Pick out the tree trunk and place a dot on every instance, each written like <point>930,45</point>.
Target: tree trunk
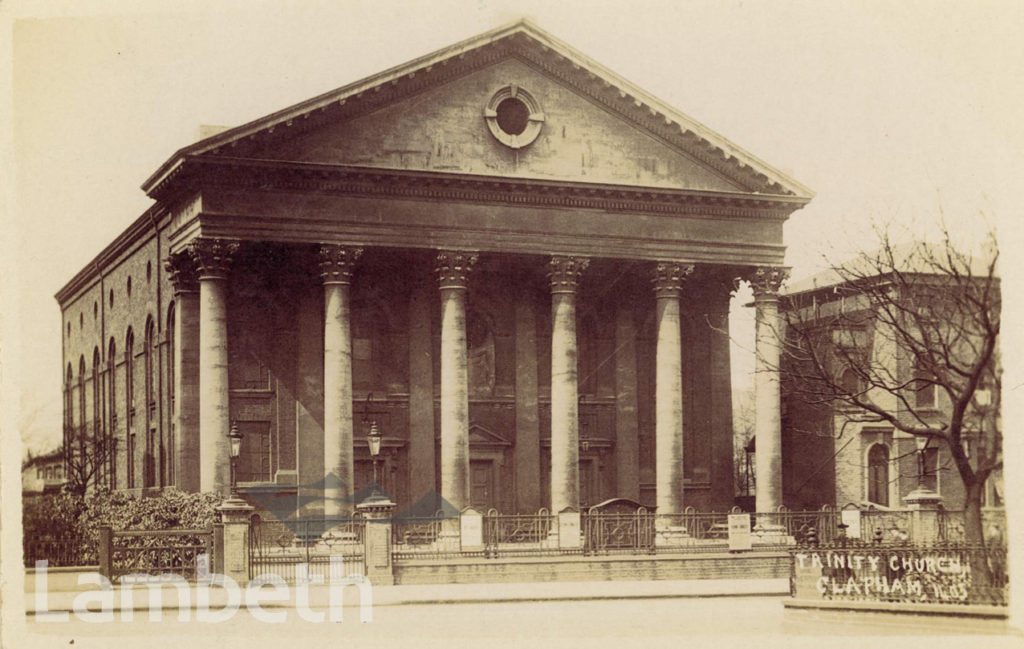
<point>981,570</point>
<point>973,528</point>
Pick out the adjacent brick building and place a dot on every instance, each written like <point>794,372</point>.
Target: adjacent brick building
<point>831,454</point>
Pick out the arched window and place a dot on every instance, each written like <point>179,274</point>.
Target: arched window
<point>82,426</point>
<point>112,411</point>
<point>878,474</point>
<point>849,381</point>
<point>169,479</point>
<point>69,406</point>
<point>129,400</point>
<point>82,432</point>
<point>149,459</point>
<point>99,436</point>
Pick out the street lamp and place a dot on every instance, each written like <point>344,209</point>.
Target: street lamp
<point>235,438</point>
<point>373,442</point>
<point>922,444</point>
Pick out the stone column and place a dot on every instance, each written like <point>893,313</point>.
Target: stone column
<point>668,388</point>
<point>182,270</point>
<point>527,449</point>
<point>565,468</point>
<point>336,264</point>
<point>627,427</point>
<point>453,269</point>
<point>767,398</point>
<point>721,285</point>
<point>422,479</point>
<point>213,259</point>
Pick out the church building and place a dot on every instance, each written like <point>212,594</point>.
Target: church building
<point>512,261</point>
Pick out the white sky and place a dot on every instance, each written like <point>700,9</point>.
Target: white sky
<point>887,110</point>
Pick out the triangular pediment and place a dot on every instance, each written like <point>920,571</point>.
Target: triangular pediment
<point>482,436</point>
<point>436,114</point>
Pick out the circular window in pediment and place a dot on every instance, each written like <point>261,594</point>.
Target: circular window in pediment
<point>514,117</point>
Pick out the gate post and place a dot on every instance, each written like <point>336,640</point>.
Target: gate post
<point>234,515</point>
<point>106,543</point>
<point>218,548</point>
<point>377,511</point>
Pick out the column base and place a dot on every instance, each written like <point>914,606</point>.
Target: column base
<point>766,532</point>
<point>672,535</point>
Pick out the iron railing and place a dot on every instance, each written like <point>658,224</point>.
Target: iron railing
<point>59,551</point>
<point>307,548</point>
<point>153,552</point>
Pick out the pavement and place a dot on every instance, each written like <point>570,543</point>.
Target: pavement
<point>169,598</point>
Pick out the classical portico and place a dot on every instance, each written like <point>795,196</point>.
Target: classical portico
<point>513,262</point>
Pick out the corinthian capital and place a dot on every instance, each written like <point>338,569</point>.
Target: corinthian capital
<point>453,268</point>
<point>669,277</point>
<point>565,272</point>
<point>337,263</point>
<point>213,256</point>
<point>767,280</point>
<point>182,269</point>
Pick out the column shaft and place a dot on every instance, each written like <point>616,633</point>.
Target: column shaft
<point>186,391</point>
<point>627,444</point>
<point>453,269</point>
<point>422,479</point>
<point>214,414</point>
<point>565,479</point>
<point>668,389</point>
<point>722,471</point>
<point>336,269</point>
<point>213,258</point>
<point>767,397</point>
<point>527,449</point>
<point>185,415</point>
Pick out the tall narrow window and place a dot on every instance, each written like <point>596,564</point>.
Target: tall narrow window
<point>69,409</point>
<point>930,469</point>
<point>878,475</point>
<point>170,396</point>
<point>129,399</point>
<point>98,434</point>
<point>112,412</point>
<point>924,387</point>
<point>149,456</point>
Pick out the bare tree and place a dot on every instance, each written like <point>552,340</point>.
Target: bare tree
<point>87,458</point>
<point>907,336</point>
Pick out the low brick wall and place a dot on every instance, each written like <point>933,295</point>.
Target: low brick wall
<point>60,579</point>
<point>607,568</point>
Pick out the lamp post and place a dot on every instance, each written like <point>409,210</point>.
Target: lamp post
<point>373,443</point>
<point>922,444</point>
<point>235,438</point>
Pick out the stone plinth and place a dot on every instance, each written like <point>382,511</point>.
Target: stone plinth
<point>924,505</point>
<point>234,515</point>
<point>377,511</point>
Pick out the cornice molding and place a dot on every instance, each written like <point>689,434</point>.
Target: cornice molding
<point>144,227</point>
<point>472,188</point>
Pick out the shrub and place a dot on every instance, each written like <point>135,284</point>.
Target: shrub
<point>74,521</point>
